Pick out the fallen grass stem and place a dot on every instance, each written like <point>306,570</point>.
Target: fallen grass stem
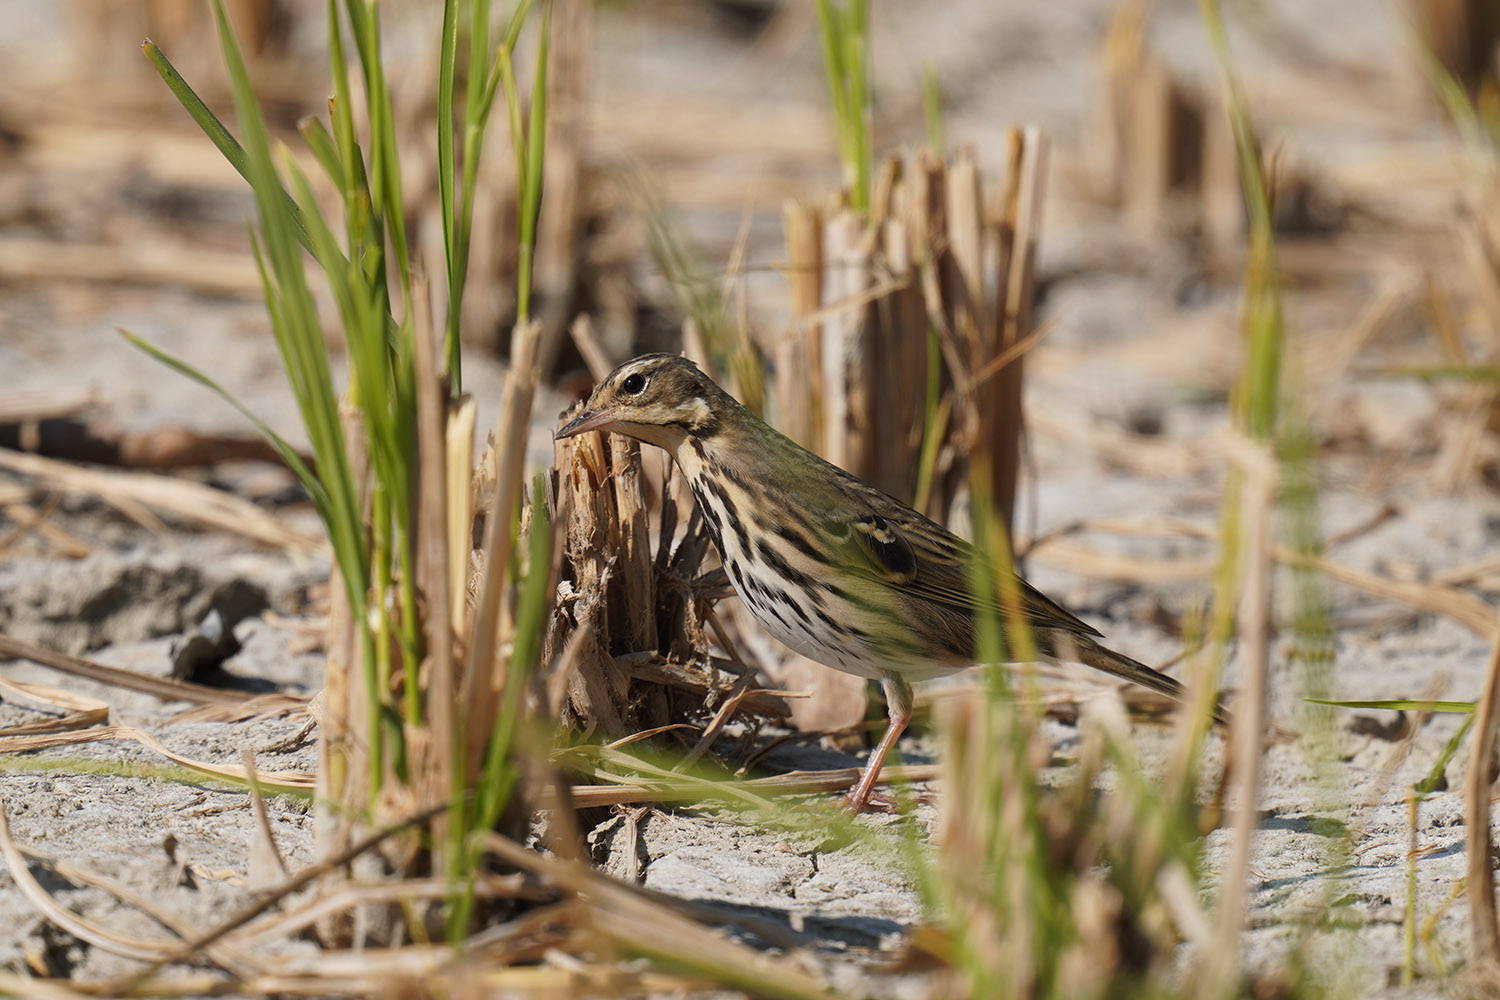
<point>752,791</point>
<point>165,688</point>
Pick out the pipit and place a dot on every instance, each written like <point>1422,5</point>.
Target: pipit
<point>832,567</point>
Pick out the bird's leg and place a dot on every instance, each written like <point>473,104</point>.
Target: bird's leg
<point>898,698</point>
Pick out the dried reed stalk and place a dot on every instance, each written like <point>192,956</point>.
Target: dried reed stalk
<point>1167,158</point>
<point>178,497</point>
<point>462,415</point>
<point>561,235</point>
<point>1484,930</point>
<point>484,676</point>
<point>165,688</point>
<point>1000,404</point>
<point>341,707</point>
<point>795,353</point>
<point>1248,730</point>
<point>1464,35</point>
<point>434,770</point>
<point>939,258</point>
<point>213,272</point>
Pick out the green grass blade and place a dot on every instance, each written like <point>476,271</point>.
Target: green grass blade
<point>350,184</point>
<point>932,109</point>
<point>517,21</point>
<point>1426,786</point>
<point>830,25</point>
<point>196,109</point>
<point>1462,373</point>
<point>531,188</point>
<point>447,67</point>
<point>299,334</point>
<point>857,40</point>
<point>321,143</point>
<point>513,109</point>
<point>282,447</point>
<point>385,173</point>
<point>1401,705</point>
<point>844,32</point>
<point>206,120</point>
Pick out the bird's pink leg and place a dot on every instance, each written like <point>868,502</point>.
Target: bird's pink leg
<point>898,699</point>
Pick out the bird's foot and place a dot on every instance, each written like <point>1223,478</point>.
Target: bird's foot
<point>871,801</point>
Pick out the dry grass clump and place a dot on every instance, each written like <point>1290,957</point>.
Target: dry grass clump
<point>1079,890</point>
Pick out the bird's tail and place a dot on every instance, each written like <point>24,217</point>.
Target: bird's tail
<point>1086,651</point>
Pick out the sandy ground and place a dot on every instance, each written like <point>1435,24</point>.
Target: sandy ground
<point>1126,399</point>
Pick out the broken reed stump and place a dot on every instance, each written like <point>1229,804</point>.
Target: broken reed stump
<point>1166,159</point>
<point>1167,155</point>
<point>643,610</point>
<point>1464,37</point>
<point>1468,450</point>
<point>904,361</point>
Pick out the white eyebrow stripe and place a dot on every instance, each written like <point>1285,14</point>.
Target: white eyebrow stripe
<point>633,369</point>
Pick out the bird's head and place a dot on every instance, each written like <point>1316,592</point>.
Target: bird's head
<point>661,399</point>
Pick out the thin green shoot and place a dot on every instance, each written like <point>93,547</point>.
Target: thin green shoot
<point>1268,407</point>
<point>745,801</point>
<point>282,447</point>
<point>142,770</point>
<point>1477,139</point>
<point>1401,705</point>
<point>529,144</point>
<point>457,270</point>
<point>387,208</point>
<point>1419,793</point>
<point>482,77</point>
<point>932,109</point>
<point>845,32</point>
<point>936,412</point>
<point>1458,373</point>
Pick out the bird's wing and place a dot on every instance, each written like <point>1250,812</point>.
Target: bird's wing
<point>904,549</point>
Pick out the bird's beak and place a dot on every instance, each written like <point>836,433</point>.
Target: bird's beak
<point>588,420</point>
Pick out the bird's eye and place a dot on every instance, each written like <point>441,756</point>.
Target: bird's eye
<point>634,385</point>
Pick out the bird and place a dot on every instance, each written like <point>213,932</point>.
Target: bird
<point>832,567</point>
